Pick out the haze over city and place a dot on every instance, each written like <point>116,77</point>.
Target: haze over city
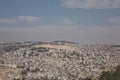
<point>83,21</point>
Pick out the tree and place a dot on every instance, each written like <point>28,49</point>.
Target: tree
<point>111,75</point>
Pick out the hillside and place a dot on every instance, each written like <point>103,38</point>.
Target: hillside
<point>59,60</point>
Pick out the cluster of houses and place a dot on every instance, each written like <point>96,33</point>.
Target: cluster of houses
<point>61,60</point>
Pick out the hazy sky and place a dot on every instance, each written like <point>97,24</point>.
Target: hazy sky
<point>83,21</point>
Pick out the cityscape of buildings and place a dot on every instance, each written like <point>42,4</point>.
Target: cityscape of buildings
<point>57,60</point>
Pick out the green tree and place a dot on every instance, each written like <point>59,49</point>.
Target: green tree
<point>111,75</point>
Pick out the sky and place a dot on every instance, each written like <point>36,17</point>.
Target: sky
<point>83,21</point>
